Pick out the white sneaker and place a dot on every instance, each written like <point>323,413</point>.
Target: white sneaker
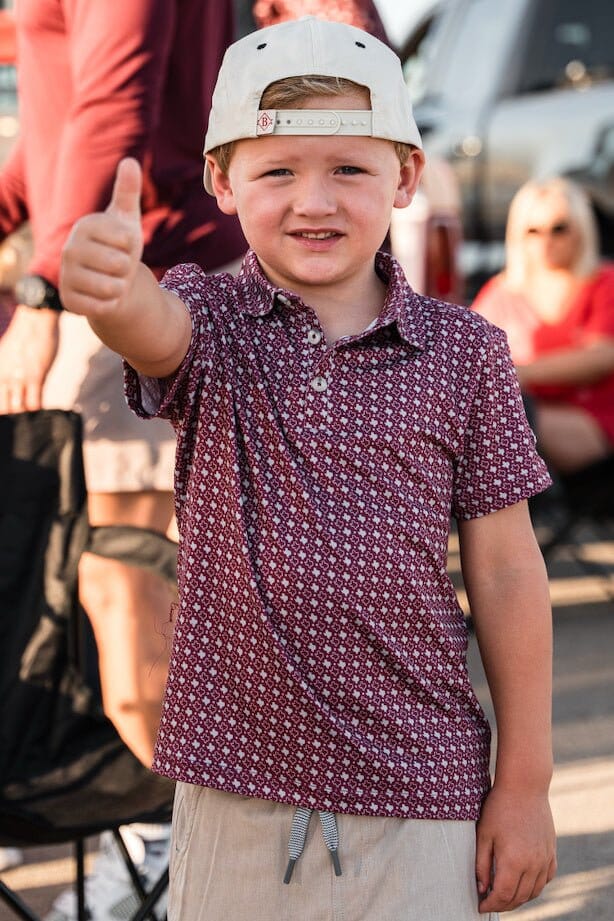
<point>109,893</point>
<point>10,857</point>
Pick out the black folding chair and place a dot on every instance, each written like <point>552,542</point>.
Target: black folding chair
<point>65,774</point>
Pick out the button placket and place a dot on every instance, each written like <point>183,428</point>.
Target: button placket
<point>319,382</point>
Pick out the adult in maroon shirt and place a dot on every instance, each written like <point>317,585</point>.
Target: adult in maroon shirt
<point>99,80</point>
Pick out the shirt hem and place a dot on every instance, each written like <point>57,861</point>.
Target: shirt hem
<point>456,812</point>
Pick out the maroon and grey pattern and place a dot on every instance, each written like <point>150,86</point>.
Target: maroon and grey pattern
<point>319,652</point>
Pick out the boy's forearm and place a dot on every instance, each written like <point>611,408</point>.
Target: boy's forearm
<point>507,586</point>
<point>151,329</point>
<point>511,611</point>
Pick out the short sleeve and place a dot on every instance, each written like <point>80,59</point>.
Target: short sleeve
<point>499,464</point>
<point>167,398</point>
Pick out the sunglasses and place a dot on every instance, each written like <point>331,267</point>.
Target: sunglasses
<point>556,230</point>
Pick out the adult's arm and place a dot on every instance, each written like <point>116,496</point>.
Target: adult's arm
<point>113,81</point>
<point>507,588</point>
<point>13,205</point>
<point>13,208</point>
<point>118,58</point>
<point>574,367</point>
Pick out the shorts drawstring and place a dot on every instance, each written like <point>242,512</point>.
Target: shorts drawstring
<point>298,835</point>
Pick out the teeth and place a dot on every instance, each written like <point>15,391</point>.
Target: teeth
<point>318,236</point>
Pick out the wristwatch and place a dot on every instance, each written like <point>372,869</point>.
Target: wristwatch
<point>35,291</point>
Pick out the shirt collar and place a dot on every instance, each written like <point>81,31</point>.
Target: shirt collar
<point>257,297</point>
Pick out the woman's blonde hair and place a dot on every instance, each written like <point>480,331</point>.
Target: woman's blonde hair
<point>291,92</point>
<point>519,220</point>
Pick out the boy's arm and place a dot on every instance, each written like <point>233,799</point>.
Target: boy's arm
<point>507,587</point>
<point>103,279</point>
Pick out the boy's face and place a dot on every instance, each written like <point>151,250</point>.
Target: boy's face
<point>316,209</point>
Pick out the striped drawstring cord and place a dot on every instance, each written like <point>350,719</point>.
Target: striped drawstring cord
<point>298,835</point>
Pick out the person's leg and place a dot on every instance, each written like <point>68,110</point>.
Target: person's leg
<point>569,438</point>
<point>129,609</point>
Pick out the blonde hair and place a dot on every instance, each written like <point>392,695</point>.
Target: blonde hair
<point>518,222</point>
<point>291,92</point>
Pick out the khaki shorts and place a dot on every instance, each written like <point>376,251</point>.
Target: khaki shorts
<point>121,452</point>
<point>229,854</point>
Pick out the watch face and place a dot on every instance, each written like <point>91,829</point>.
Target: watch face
<point>36,291</point>
<point>32,290</point>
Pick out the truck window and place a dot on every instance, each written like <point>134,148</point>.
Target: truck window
<point>463,49</point>
<point>568,43</point>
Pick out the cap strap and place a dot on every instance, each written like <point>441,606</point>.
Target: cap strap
<point>315,121</point>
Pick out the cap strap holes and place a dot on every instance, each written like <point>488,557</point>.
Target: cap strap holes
<point>360,44</point>
<point>260,47</point>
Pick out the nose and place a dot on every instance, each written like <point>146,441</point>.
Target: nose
<point>314,196</point>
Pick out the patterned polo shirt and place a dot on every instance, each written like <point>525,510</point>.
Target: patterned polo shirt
<point>319,656</point>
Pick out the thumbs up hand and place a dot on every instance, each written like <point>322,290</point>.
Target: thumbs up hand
<point>101,257</point>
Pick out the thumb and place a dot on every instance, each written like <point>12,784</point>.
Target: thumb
<point>126,197</point>
<point>484,864</point>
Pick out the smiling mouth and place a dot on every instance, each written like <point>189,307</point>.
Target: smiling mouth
<point>316,235</point>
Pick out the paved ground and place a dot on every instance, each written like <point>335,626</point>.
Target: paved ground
<point>583,787</point>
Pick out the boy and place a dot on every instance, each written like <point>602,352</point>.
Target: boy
<point>329,421</point>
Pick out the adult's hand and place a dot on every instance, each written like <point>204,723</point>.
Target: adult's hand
<point>27,351</point>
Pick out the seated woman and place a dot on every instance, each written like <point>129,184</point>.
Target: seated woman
<point>556,304</point>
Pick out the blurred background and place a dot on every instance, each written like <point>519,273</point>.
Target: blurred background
<point>507,91</point>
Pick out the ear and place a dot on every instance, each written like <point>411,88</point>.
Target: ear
<point>222,189</point>
<point>409,178</point>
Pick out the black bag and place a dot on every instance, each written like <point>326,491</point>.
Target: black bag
<point>64,771</point>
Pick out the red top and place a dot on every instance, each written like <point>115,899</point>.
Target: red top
<point>8,49</point>
<point>319,656</point>
<point>590,315</point>
<point>101,79</point>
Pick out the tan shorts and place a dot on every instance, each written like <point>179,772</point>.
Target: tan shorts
<point>229,854</point>
<point>122,453</point>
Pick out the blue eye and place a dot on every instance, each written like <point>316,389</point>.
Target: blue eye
<point>349,170</point>
<point>278,172</point>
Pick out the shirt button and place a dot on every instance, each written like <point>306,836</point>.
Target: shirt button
<point>319,384</point>
<point>314,336</point>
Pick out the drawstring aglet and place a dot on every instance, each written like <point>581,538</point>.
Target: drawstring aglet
<point>289,870</point>
<point>335,855</point>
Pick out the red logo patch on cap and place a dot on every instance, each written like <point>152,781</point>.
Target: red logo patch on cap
<point>266,121</point>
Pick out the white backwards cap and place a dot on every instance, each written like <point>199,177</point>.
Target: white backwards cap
<point>300,47</point>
